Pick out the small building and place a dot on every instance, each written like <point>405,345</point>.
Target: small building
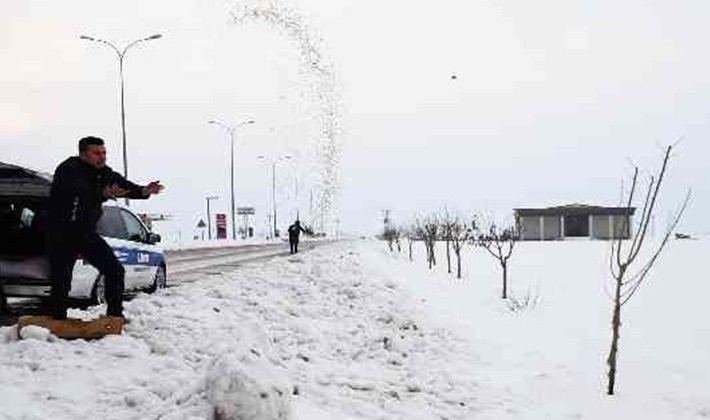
<point>574,221</point>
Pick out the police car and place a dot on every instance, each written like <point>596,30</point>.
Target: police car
<point>133,244</point>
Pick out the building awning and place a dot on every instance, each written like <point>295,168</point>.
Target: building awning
<point>575,210</point>
<point>19,182</point>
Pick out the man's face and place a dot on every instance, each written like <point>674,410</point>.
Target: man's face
<point>94,156</point>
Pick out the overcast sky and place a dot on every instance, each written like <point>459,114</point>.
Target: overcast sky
<point>550,103</point>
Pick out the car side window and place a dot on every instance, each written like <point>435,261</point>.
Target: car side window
<point>111,224</point>
<point>136,231</point>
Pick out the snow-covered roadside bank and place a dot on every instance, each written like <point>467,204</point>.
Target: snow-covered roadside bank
<point>351,331</point>
<point>323,325</point>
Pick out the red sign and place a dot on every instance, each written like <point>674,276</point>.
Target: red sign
<point>221,225</point>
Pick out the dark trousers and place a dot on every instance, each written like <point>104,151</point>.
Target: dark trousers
<point>294,245</point>
<point>63,250</point>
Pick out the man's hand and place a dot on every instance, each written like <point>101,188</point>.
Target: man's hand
<point>114,191</point>
<point>153,188</point>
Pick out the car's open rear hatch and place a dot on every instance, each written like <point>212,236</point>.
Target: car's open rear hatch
<point>23,197</point>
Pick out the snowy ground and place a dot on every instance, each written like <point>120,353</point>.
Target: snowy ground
<point>349,331</point>
<point>548,362</point>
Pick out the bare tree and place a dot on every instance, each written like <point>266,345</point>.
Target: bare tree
<point>410,233</point>
<point>420,233</point>
<point>397,238</point>
<point>447,221</point>
<point>499,242</point>
<point>428,231</point>
<point>461,234</point>
<point>431,225</point>
<point>624,256</point>
<point>390,235</point>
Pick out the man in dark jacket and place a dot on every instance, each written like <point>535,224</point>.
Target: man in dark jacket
<point>80,186</point>
<point>294,231</point>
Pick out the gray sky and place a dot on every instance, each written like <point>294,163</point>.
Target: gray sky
<point>550,104</point>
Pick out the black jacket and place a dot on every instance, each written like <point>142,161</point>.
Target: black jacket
<point>76,196</point>
<point>294,231</point>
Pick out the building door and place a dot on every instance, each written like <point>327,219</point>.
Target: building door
<point>577,226</point>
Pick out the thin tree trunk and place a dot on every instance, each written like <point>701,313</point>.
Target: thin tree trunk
<point>410,251</point>
<point>430,254</point>
<point>448,255</point>
<point>505,279</point>
<point>458,264</point>
<point>615,327</point>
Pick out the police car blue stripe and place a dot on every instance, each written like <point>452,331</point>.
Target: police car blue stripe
<point>129,256</point>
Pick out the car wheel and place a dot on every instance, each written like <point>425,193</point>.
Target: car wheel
<point>160,281</point>
<point>98,293</point>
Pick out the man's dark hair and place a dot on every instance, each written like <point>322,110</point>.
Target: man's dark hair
<point>89,141</point>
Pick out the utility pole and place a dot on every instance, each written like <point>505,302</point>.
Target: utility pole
<point>295,184</point>
<point>311,202</point>
<point>273,194</point>
<point>273,162</point>
<point>387,220</point>
<point>230,130</point>
<point>121,56</point>
<point>209,215</point>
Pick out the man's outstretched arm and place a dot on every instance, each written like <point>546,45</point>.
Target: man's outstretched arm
<point>131,190</point>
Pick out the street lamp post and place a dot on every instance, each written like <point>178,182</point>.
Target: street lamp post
<point>209,215</point>
<point>231,130</point>
<point>295,196</point>
<point>273,182</point>
<point>121,55</point>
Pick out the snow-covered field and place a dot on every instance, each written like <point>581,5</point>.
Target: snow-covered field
<point>350,331</point>
<point>548,362</point>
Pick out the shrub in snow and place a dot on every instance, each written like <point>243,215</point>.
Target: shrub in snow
<point>519,305</point>
<point>248,387</point>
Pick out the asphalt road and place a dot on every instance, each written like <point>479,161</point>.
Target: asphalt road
<point>208,260</point>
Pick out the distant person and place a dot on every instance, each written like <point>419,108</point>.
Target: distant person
<point>294,232</point>
<point>80,186</point>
